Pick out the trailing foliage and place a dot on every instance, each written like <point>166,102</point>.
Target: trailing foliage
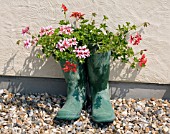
<point>75,42</point>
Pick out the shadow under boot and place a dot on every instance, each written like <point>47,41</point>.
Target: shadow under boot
<point>76,93</point>
<point>98,66</point>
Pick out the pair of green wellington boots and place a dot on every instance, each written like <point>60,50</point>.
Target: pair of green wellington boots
<point>98,67</point>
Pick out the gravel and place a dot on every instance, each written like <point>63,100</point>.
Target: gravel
<point>34,113</point>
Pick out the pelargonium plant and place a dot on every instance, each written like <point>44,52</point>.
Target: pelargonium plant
<point>74,42</point>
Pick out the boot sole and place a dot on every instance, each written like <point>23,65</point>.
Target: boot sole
<point>66,118</point>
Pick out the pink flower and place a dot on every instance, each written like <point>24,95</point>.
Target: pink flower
<point>34,41</point>
<point>142,60</point>
<point>73,42</point>
<point>66,43</point>
<point>60,45</point>
<point>135,40</point>
<point>42,31</point>
<point>49,30</point>
<point>66,29</point>
<point>46,31</point>
<point>27,43</point>
<point>82,52</point>
<point>25,30</point>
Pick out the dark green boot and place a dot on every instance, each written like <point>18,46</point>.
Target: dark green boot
<point>98,75</point>
<point>76,93</point>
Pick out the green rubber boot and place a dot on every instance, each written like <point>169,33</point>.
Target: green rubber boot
<point>76,93</point>
<point>98,75</point>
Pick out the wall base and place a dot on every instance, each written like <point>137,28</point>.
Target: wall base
<point>58,86</point>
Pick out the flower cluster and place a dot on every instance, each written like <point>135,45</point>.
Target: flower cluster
<point>27,43</point>
<point>69,67</point>
<point>135,40</point>
<point>77,15</point>
<point>66,29</point>
<point>46,31</point>
<point>142,60</point>
<point>66,43</point>
<point>82,52</point>
<point>25,31</point>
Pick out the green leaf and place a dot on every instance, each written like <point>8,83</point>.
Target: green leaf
<point>93,22</point>
<point>132,65</point>
<point>103,26</point>
<point>94,14</point>
<point>143,65</point>
<point>84,21</point>
<point>133,27</point>
<point>145,24</point>
<point>18,42</point>
<point>136,59</point>
<point>127,23</point>
<point>63,22</point>
<point>105,17</point>
<point>38,55</point>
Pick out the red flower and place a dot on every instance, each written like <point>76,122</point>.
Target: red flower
<point>77,15</point>
<point>70,67</point>
<point>138,38</point>
<point>135,40</point>
<point>142,61</point>
<point>131,39</point>
<point>66,69</point>
<point>64,8</point>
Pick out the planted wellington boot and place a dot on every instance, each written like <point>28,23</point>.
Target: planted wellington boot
<point>76,93</point>
<point>98,75</point>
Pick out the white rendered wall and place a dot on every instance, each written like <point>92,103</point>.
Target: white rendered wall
<point>16,14</point>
